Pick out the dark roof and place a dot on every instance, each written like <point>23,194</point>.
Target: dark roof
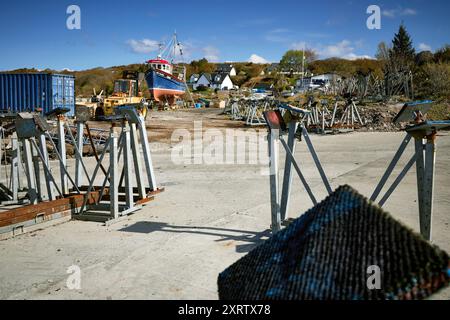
<point>326,254</point>
<point>218,77</point>
<point>273,67</point>
<point>207,76</point>
<point>224,67</point>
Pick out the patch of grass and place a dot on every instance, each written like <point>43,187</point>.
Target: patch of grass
<point>440,111</point>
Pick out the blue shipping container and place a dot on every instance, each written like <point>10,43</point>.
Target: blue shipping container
<point>23,92</point>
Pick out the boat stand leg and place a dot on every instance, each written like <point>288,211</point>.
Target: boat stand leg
<point>47,170</point>
<point>317,161</point>
<point>334,115</point>
<point>428,188</point>
<point>127,168</point>
<point>323,122</point>
<point>37,171</point>
<point>79,157</point>
<point>15,168</point>
<point>48,180</point>
<point>137,160</point>
<point>299,172</point>
<point>94,175</point>
<point>114,181</point>
<point>353,115</point>
<point>358,115</point>
<point>397,181</point>
<point>63,157</point>
<point>20,162</point>
<point>147,155</point>
<point>391,167</point>
<point>32,193</point>
<point>287,178</point>
<point>420,171</point>
<point>274,192</point>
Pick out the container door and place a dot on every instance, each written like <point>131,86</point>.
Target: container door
<point>69,95</point>
<point>58,92</point>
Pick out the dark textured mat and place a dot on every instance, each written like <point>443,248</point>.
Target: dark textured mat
<point>326,253</point>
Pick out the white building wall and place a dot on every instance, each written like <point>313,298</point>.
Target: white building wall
<point>303,83</point>
<point>193,79</point>
<point>227,83</point>
<point>202,81</point>
<point>328,77</point>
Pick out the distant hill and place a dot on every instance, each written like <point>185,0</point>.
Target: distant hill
<point>103,78</point>
<point>247,73</point>
<point>87,80</point>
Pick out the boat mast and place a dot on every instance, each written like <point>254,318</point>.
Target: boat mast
<point>161,46</point>
<point>175,43</point>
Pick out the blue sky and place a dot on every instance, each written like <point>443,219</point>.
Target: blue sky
<point>122,32</point>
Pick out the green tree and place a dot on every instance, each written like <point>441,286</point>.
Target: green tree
<point>293,59</point>
<point>366,67</point>
<point>343,67</point>
<point>383,52</point>
<point>201,66</point>
<point>424,57</point>
<point>239,80</point>
<point>434,81</point>
<point>402,52</point>
<point>255,70</point>
<point>443,55</point>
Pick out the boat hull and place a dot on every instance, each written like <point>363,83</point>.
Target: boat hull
<point>164,88</point>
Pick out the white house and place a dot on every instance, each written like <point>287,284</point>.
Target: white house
<point>194,78</point>
<point>272,68</point>
<point>203,80</point>
<point>226,68</point>
<point>327,77</point>
<point>220,81</point>
<point>314,82</point>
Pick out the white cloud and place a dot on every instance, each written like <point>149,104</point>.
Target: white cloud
<point>389,13</point>
<point>148,46</point>
<point>344,49</point>
<point>424,47</point>
<point>211,53</point>
<point>257,59</point>
<point>392,13</point>
<point>143,46</point>
<point>408,12</point>
<point>353,56</point>
<point>339,49</point>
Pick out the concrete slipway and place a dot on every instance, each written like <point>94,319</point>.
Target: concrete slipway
<point>209,216</point>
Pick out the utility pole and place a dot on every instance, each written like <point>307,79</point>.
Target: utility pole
<point>303,65</point>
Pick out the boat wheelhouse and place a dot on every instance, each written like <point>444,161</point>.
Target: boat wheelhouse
<point>161,64</point>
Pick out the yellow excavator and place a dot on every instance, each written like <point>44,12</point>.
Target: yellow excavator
<point>126,93</point>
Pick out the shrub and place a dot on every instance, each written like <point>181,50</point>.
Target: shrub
<point>202,88</point>
<point>434,81</point>
<point>440,111</point>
